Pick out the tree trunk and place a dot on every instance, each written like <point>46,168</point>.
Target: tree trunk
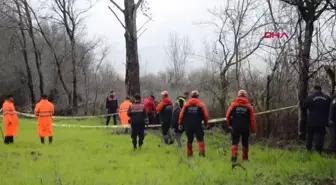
<point>267,128</point>
<point>36,52</point>
<point>74,77</point>
<point>224,92</point>
<point>304,78</point>
<point>87,91</point>
<point>132,81</point>
<point>57,60</point>
<point>25,57</point>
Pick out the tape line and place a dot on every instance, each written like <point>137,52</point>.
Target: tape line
<point>122,126</point>
<point>159,126</point>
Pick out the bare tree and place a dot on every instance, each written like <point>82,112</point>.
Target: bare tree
<point>227,52</point>
<point>179,51</point>
<point>37,53</point>
<point>57,58</point>
<point>104,53</point>
<point>24,50</point>
<point>67,15</point>
<point>132,78</point>
<point>309,11</point>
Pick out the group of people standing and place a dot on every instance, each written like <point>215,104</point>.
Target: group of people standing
<point>44,110</point>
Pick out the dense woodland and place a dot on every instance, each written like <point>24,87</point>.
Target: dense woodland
<point>44,49</point>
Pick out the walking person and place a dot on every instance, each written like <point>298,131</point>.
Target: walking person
<point>44,110</point>
<point>112,108</point>
<point>191,117</point>
<point>10,119</point>
<point>175,126</point>
<point>138,119</point>
<point>318,106</point>
<point>181,100</point>
<point>165,111</point>
<point>240,116</point>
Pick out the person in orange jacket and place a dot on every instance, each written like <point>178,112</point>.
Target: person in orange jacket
<point>165,111</point>
<point>44,110</point>
<point>11,120</point>
<point>240,116</point>
<point>191,117</point>
<point>123,108</point>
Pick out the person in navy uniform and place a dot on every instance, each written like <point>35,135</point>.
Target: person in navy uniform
<point>318,106</point>
<point>112,108</point>
<point>138,120</point>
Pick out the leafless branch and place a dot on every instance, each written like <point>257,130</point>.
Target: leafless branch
<point>116,5</point>
<point>122,24</point>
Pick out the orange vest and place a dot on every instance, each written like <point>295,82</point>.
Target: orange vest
<point>123,112</point>
<point>11,120</point>
<point>44,110</point>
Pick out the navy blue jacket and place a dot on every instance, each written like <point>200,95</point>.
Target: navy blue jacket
<point>192,114</point>
<point>137,114</point>
<point>318,106</point>
<point>165,110</point>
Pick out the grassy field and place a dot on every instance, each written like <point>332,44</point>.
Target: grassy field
<point>97,157</point>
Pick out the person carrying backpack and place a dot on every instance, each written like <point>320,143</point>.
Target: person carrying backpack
<point>181,100</point>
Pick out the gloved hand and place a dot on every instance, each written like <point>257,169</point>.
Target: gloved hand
<point>146,121</point>
<point>205,127</point>
<point>180,127</point>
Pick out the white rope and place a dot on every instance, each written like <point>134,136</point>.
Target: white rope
<point>158,126</point>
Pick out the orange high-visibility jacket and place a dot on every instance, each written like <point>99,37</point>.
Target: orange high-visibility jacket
<point>11,120</point>
<point>44,110</point>
<point>123,112</point>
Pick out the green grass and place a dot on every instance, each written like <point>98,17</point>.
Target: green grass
<point>96,157</point>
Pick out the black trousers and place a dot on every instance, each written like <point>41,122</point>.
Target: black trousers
<point>137,132</point>
<point>9,139</point>
<point>238,133</point>
<point>109,111</point>
<point>313,131</point>
<point>197,131</point>
<point>165,128</point>
<point>334,137</point>
<point>50,139</point>
<point>151,118</point>
<point>157,119</point>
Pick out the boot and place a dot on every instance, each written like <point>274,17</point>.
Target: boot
<point>245,153</point>
<point>134,145</point>
<point>50,140</point>
<point>7,140</point>
<point>11,139</point>
<point>140,144</point>
<point>179,140</point>
<point>201,148</point>
<point>189,150</point>
<point>42,140</point>
<point>166,139</point>
<point>234,150</point>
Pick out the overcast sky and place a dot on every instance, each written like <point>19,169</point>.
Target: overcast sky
<point>168,16</point>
